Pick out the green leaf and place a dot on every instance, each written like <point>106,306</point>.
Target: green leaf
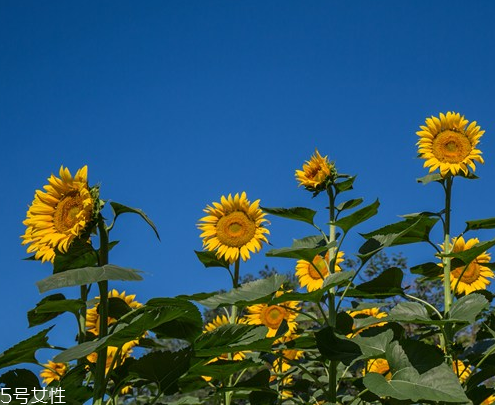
<point>296,213</point>
<point>386,284</point>
<point>467,308</point>
<point>410,312</point>
<point>24,352</point>
<point>488,223</point>
<point>347,205</point>
<point>374,346</point>
<point>303,249</point>
<point>467,256</point>
<point>119,209</point>
<point>52,306</point>
<point>20,378</point>
<point>210,259</point>
<point>345,185</point>
<point>80,254</point>
<point>87,275</point>
<point>222,369</point>
<point>263,397</point>
<point>163,369</point>
<point>233,338</point>
<point>248,293</point>
<point>429,178</point>
<point>357,217</point>
<point>333,347</point>
<point>429,269</point>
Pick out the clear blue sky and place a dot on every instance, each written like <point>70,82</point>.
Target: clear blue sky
<point>173,103</point>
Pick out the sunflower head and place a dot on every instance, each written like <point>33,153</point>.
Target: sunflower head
<point>475,276</point>
<point>379,366</point>
<point>449,144</point>
<point>312,275</point>
<point>58,215</point>
<point>233,228</point>
<point>489,401</point>
<point>115,357</point>
<point>316,173</point>
<point>53,371</point>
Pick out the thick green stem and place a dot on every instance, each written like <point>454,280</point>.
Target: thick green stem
<point>233,319</point>
<point>332,313</point>
<point>100,386</point>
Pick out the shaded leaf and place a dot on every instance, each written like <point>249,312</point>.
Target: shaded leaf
<point>374,346</point>
<point>52,306</point>
<point>333,347</point>
<point>386,284</point>
<point>210,259</point>
<point>87,275</point>
<point>222,369</point>
<point>429,269</point>
<point>296,213</point>
<point>119,209</point>
<point>24,352</point>
<point>80,254</point>
<point>303,249</point>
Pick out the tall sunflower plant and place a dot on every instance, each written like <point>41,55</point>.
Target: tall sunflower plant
<point>329,336</point>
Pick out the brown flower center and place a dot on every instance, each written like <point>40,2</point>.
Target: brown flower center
<point>321,265</point>
<point>235,229</point>
<point>471,274</point>
<point>66,212</point>
<point>273,316</point>
<point>451,147</point>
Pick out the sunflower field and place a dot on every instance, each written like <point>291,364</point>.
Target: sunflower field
<point>328,337</point>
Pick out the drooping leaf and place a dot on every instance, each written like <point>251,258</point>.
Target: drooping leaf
<point>386,284</point>
<point>52,306</point>
<point>87,275</point>
<point>120,209</point>
<point>347,205</point>
<point>357,217</point>
<point>333,347</point>
<point>162,368</point>
<point>429,269</point>
<point>247,293</point>
<point>488,223</point>
<point>303,249</point>
<point>210,259</point>
<point>296,213</point>
<point>24,352</point>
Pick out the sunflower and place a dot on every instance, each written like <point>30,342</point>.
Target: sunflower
<point>316,172</point>
<point>53,371</point>
<point>489,401</point>
<point>272,316</point>
<point>59,214</point>
<point>113,357</point>
<point>233,227</point>
<point>379,366</point>
<point>312,275</point>
<point>366,313</point>
<point>475,276</point>
<point>461,370</point>
<point>449,144</point>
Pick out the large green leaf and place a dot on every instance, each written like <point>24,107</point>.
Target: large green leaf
<point>345,185</point>
<point>347,205</point>
<point>120,209</point>
<point>24,352</point>
<point>357,217</point>
<point>386,284</point>
<point>333,347</point>
<point>210,259</point>
<point>163,369</point>
<point>303,249</point>
<point>412,312</point>
<point>296,213</point>
<point>87,275</point>
<point>467,256</point>
<point>232,338</point>
<point>52,306</point>
<point>467,308</point>
<point>248,293</point>
<point>374,346</point>
<point>20,378</point>
<point>488,223</point>
<point>429,269</point>
<point>80,254</point>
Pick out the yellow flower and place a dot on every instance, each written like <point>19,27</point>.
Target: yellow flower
<point>112,357</point>
<point>475,277</point>
<point>233,228</point>
<point>448,144</point>
<point>362,313</point>
<point>53,371</point>
<point>316,172</point>
<point>379,366</point>
<point>59,214</point>
<point>312,275</point>
<point>282,363</point>
<point>272,316</point>
<point>489,401</point>
<point>461,370</point>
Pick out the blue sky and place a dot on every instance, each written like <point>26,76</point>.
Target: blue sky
<point>173,104</point>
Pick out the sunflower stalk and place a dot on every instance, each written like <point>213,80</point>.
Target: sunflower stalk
<point>100,382</point>
<point>332,314</point>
